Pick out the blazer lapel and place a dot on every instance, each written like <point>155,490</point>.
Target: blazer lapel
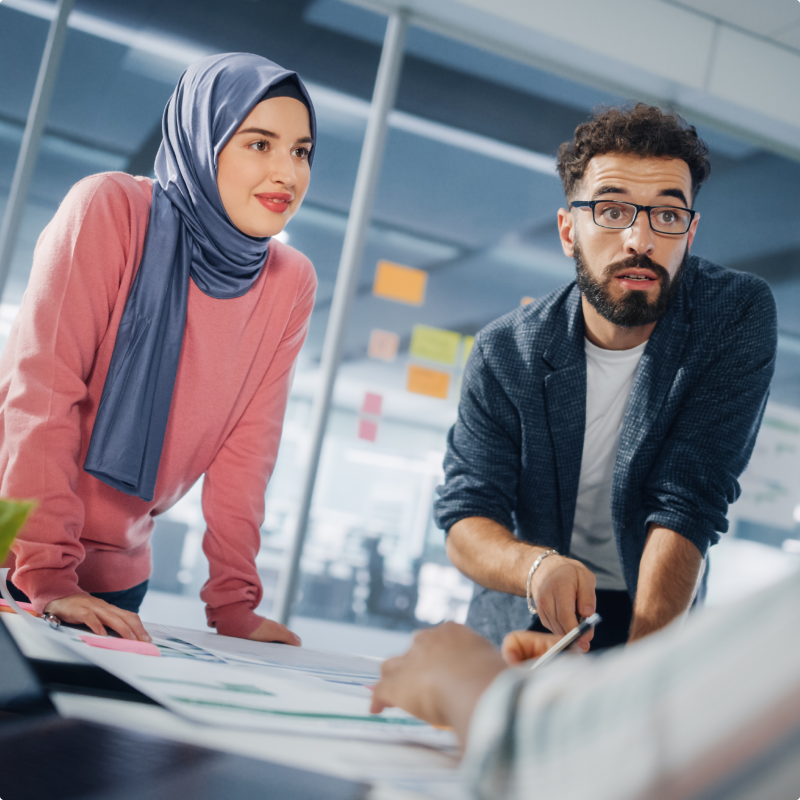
<point>565,404</point>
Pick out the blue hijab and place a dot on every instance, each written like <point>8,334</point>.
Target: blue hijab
<point>189,235</point>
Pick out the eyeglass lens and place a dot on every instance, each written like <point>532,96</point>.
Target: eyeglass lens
<point>665,219</point>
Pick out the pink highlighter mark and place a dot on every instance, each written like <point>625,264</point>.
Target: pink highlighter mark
<point>124,645</point>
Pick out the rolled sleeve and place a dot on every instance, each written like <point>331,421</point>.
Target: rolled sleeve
<point>695,477</point>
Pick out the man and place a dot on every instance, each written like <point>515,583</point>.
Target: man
<point>708,711</point>
<point>602,429</point>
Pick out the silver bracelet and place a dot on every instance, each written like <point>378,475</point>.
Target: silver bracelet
<point>533,569</point>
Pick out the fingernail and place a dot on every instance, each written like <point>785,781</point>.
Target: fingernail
<point>587,611</point>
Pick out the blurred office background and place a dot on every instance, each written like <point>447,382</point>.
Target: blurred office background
<point>468,194</point>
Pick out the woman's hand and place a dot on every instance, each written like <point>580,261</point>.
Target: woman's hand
<point>98,615</point>
<point>271,631</point>
<point>522,645</point>
<point>441,677</point>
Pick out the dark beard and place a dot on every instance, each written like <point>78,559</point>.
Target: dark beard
<point>633,308</point>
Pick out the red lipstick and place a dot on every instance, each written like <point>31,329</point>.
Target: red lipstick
<point>275,201</point>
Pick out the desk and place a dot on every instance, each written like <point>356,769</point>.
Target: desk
<point>398,772</point>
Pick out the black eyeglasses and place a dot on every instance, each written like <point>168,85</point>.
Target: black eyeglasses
<point>672,220</point>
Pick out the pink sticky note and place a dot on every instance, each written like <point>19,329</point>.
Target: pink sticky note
<point>383,345</point>
<point>372,404</point>
<point>367,430</point>
<point>124,645</point>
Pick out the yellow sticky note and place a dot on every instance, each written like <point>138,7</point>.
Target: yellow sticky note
<point>526,301</point>
<point>468,342</point>
<point>434,344</point>
<point>403,284</point>
<point>431,382</point>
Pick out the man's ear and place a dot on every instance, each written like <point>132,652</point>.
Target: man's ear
<point>566,231</point>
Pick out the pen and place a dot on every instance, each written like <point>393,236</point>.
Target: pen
<point>567,640</point>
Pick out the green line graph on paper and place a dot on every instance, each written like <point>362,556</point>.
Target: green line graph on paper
<point>240,688</point>
<point>377,719</point>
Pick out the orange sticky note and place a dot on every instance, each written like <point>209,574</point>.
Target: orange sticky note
<point>526,301</point>
<point>403,284</point>
<point>431,382</point>
<point>383,345</point>
<point>123,645</point>
<point>24,606</point>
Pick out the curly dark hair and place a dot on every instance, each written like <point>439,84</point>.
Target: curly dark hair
<point>640,130</point>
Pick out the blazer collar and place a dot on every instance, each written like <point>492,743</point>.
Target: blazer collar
<point>566,343</point>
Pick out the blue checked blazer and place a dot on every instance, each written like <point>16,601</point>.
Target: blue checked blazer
<point>514,453</point>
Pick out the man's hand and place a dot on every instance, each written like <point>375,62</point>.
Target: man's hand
<point>493,557</point>
<point>523,645</point>
<point>562,588</point>
<point>98,615</point>
<point>271,631</point>
<point>440,678</point>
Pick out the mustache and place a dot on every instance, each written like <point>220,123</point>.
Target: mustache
<point>638,261</point>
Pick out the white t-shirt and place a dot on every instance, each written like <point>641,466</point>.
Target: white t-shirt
<point>609,380</point>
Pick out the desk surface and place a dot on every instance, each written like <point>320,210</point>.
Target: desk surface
<point>398,772</point>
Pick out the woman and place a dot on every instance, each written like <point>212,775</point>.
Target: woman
<point>156,343</point>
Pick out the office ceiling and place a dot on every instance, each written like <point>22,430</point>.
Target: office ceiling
<point>776,20</point>
<point>432,211</point>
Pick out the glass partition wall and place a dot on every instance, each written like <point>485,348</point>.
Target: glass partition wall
<point>463,230</point>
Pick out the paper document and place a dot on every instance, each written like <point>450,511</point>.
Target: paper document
<point>221,681</point>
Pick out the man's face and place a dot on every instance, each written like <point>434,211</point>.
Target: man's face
<point>628,275</point>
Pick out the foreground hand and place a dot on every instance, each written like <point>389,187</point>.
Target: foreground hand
<point>271,631</point>
<point>522,645</point>
<point>98,615</point>
<point>440,678</point>
<point>562,588</point>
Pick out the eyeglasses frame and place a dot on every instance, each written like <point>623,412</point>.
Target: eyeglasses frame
<point>592,203</point>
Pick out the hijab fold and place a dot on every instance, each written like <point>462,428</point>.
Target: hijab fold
<point>189,236</point>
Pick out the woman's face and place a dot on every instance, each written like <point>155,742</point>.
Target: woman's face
<point>263,171</point>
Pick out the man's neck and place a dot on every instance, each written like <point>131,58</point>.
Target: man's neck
<point>605,334</point>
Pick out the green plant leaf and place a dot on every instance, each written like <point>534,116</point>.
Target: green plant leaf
<point>13,514</point>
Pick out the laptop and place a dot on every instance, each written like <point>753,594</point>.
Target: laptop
<point>43,755</point>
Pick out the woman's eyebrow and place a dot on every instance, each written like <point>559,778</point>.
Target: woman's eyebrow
<point>270,135</point>
<point>260,132</point>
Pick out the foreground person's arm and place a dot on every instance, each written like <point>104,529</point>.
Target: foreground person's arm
<point>664,717</point>
<point>442,677</point>
<point>669,573</point>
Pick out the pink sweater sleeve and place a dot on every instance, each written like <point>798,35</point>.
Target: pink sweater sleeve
<point>236,482</point>
<point>74,284</point>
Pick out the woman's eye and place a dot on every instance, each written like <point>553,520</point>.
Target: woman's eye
<point>302,152</point>
<point>260,145</point>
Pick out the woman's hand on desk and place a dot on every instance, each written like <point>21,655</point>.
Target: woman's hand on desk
<point>98,615</point>
<point>271,631</point>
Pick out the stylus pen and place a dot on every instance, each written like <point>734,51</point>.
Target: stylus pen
<point>567,640</point>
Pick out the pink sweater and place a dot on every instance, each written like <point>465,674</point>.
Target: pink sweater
<point>233,381</point>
